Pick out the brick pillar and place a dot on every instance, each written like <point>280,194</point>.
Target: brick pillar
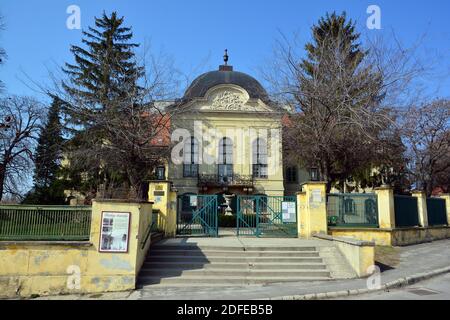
<point>421,206</point>
<point>312,209</point>
<point>386,213</point>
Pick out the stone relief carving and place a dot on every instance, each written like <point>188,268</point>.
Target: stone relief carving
<point>228,100</point>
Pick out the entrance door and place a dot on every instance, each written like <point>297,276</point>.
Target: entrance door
<point>197,215</point>
<point>267,216</point>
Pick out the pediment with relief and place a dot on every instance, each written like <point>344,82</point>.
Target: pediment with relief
<point>227,100</point>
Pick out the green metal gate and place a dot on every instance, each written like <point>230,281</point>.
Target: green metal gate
<point>267,216</point>
<point>197,215</point>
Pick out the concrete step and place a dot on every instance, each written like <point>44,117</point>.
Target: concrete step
<point>231,253</point>
<point>227,259</point>
<point>220,273</point>
<point>209,281</point>
<point>315,265</point>
<point>163,247</point>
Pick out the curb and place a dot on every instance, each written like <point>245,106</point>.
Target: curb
<point>401,282</point>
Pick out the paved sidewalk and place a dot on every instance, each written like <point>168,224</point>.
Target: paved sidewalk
<point>413,259</point>
<point>437,288</point>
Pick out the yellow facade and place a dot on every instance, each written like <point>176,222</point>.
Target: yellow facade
<point>227,109</point>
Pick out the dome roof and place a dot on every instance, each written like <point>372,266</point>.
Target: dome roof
<point>225,75</point>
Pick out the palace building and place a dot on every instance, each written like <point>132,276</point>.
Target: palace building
<point>226,138</point>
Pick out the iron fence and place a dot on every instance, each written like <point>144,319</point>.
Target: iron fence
<point>62,223</point>
<point>406,211</point>
<point>352,210</point>
<point>437,212</point>
<point>267,216</point>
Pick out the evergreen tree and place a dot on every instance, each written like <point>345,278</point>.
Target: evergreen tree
<point>102,85</point>
<point>336,36</point>
<point>48,188</point>
<point>105,70</point>
<point>48,152</point>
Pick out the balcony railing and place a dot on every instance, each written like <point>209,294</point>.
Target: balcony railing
<point>237,180</point>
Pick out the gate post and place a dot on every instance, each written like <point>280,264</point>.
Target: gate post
<point>422,207</point>
<point>312,209</point>
<point>446,196</point>
<point>165,200</point>
<point>386,209</point>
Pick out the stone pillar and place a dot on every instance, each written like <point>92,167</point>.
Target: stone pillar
<point>446,196</point>
<point>165,201</point>
<point>301,207</point>
<point>421,207</point>
<point>386,211</point>
<point>312,209</point>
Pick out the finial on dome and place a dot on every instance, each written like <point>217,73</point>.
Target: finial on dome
<point>225,66</point>
<point>225,57</point>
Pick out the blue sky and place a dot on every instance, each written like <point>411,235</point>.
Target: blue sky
<point>196,32</point>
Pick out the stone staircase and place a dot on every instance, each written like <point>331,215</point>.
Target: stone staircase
<point>215,265</point>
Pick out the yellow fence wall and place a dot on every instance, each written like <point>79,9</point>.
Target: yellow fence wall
<point>47,268</point>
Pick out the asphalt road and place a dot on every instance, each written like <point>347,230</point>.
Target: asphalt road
<point>434,289</point>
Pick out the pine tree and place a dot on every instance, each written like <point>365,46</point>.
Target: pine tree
<point>48,152</point>
<point>105,70</point>
<point>333,36</point>
<point>103,82</point>
<point>48,189</point>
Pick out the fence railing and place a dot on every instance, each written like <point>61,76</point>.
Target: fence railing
<point>62,223</point>
<point>437,212</point>
<point>352,210</point>
<point>406,211</point>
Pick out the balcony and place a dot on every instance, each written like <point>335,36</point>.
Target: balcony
<point>234,180</point>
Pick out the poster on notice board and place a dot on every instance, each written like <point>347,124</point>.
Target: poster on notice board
<point>115,229</point>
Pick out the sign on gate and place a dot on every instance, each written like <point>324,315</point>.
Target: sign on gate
<point>267,216</point>
<point>193,200</point>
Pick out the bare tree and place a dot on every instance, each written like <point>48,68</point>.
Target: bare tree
<point>341,120</point>
<point>20,119</point>
<point>426,131</point>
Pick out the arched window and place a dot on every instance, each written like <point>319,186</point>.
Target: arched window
<point>190,158</point>
<point>225,159</point>
<point>259,158</point>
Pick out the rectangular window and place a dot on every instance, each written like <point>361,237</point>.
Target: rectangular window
<point>190,170</point>
<point>260,171</point>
